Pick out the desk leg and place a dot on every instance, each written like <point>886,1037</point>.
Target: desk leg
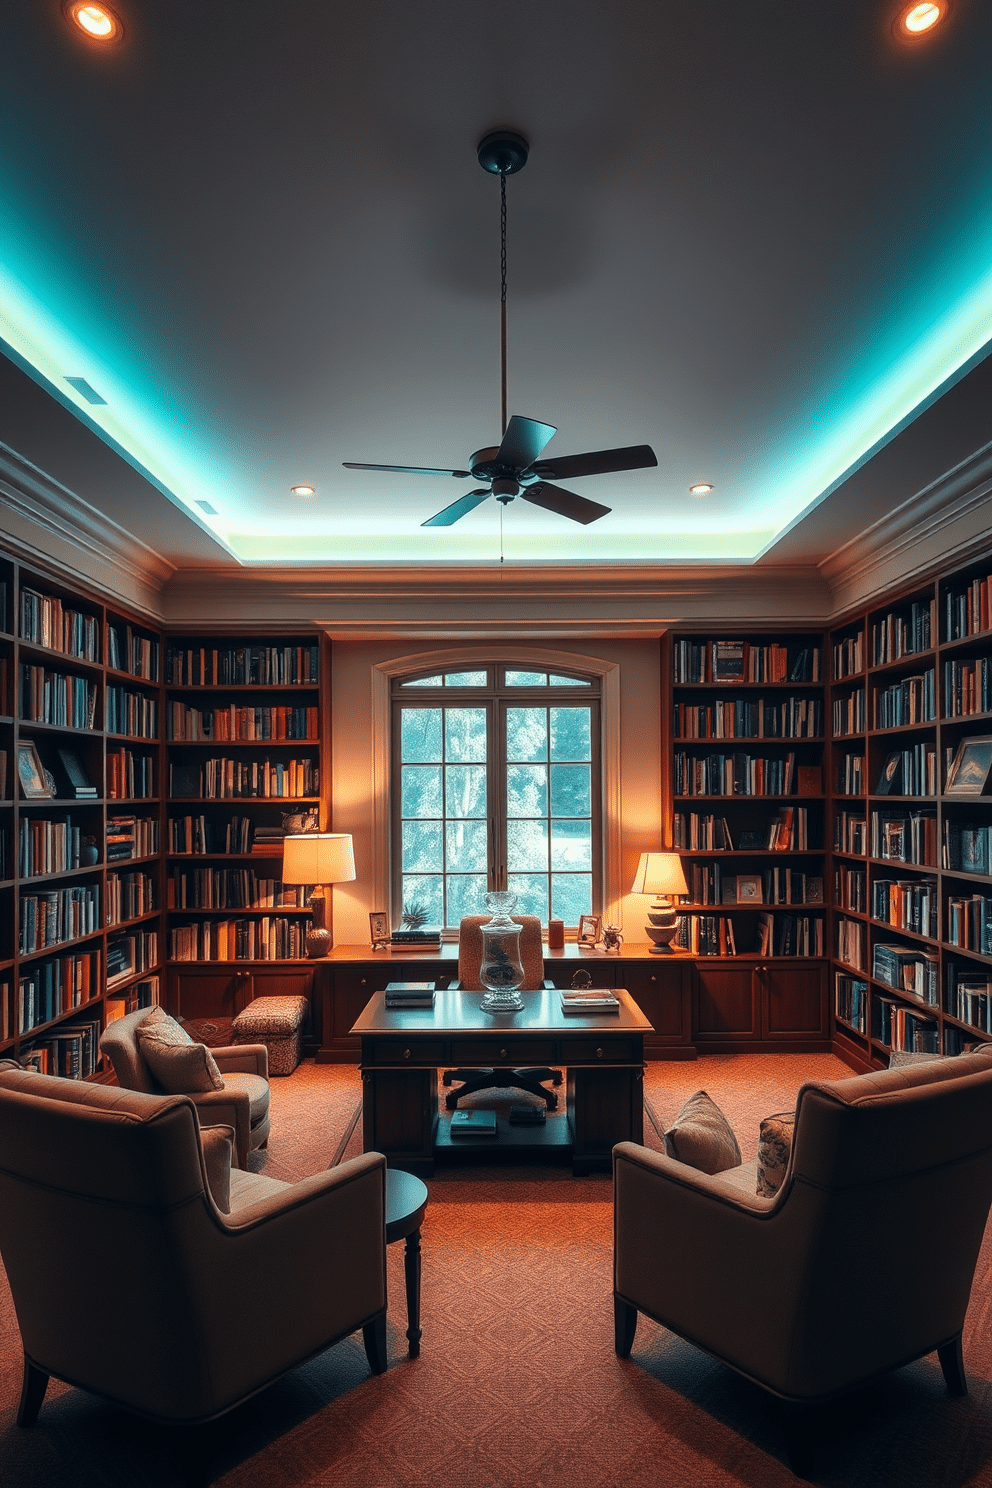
<point>411,1266</point>
<point>399,1114</point>
<point>605,1106</point>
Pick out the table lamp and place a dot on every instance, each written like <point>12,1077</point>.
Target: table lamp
<point>318,858</point>
<point>660,873</point>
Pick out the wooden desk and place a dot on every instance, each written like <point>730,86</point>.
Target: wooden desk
<point>402,1050</point>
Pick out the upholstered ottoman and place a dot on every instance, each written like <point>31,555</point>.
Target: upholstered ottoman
<point>276,1022</point>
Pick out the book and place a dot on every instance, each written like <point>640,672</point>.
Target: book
<point>473,1124</point>
<point>416,937</point>
<point>590,1000</point>
<point>409,994</point>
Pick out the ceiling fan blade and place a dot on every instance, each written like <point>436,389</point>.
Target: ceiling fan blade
<point>565,503</point>
<point>407,469</point>
<point>523,441</point>
<point>597,462</point>
<point>459,508</point>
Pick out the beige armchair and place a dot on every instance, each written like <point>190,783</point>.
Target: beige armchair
<point>890,1174</point>
<point>184,1310</point>
<point>243,1104</point>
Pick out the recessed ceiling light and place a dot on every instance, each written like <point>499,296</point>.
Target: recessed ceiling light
<point>303,490</point>
<point>701,488</point>
<point>920,18</point>
<point>98,22</point>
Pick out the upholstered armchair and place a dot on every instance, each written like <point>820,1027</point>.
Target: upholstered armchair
<point>202,1285</point>
<point>243,1104</point>
<point>890,1173</point>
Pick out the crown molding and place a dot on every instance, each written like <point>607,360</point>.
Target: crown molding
<point>47,523</point>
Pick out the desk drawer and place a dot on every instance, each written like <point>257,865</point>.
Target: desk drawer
<point>607,1048</point>
<point>489,1052</point>
<point>408,1051</point>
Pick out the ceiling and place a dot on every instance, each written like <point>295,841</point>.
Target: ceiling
<point>756,236</point>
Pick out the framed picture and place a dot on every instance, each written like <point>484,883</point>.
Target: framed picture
<point>378,928</point>
<point>31,772</point>
<point>589,929</point>
<point>749,889</point>
<point>970,768</point>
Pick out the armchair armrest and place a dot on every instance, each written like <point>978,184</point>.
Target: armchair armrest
<point>227,1108</point>
<point>243,1059</point>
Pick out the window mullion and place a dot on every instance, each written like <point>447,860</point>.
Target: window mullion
<point>497,795</point>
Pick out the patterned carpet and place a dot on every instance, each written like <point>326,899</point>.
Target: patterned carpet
<point>517,1383</point>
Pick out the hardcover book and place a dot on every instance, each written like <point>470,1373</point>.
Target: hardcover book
<point>473,1124</point>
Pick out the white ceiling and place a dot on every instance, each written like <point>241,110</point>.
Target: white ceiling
<point>756,236</point>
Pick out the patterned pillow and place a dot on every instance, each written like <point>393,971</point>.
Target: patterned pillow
<point>180,1066</point>
<point>774,1151</point>
<point>701,1136</point>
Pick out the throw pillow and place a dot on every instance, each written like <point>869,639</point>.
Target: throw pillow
<point>217,1143</point>
<point>180,1066</point>
<point>701,1136</point>
<point>774,1151</point>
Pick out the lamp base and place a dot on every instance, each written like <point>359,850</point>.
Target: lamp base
<point>318,936</point>
<point>662,927</point>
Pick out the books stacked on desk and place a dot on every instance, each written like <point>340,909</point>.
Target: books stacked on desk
<point>409,994</point>
<point>473,1124</point>
<point>589,1000</point>
<point>428,936</point>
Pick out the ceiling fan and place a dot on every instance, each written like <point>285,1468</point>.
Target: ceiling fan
<point>514,467</point>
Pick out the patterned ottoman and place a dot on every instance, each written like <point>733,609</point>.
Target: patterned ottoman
<point>276,1022</point>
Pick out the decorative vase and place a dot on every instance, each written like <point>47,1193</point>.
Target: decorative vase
<point>501,971</point>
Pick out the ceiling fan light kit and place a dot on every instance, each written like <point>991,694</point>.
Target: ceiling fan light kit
<point>514,467</point>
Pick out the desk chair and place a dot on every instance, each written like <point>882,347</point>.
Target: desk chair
<point>469,966</point>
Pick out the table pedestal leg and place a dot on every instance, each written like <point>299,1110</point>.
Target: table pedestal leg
<point>411,1265</point>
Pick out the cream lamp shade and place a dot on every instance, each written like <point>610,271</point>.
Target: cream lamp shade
<point>318,858</point>
<point>660,873</point>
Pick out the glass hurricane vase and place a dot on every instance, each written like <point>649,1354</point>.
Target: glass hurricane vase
<point>501,971</point>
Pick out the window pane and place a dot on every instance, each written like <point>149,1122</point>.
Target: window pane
<point>420,790</point>
<point>465,790</point>
<point>526,846</point>
<point>526,679</point>
<point>466,679</point>
<point>527,733</point>
<point>465,733</point>
<point>571,737</point>
<point>466,893</point>
<point>421,734</point>
<point>571,790</point>
<point>571,896</point>
<point>422,847</point>
<point>466,843</point>
<point>527,790</point>
<point>423,893</point>
<point>531,890</point>
<point>557,681</point>
<point>571,844</point>
<point>423,682</point>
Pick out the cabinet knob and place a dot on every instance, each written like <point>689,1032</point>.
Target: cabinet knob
<point>502,1053</point>
<point>599,1053</point>
<point>406,1053</point>
<point>363,982</point>
<point>653,979</point>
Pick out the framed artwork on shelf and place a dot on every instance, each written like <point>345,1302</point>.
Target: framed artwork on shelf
<point>31,772</point>
<point>749,889</point>
<point>890,780</point>
<point>970,768</point>
<point>589,929</point>
<point>378,928</point>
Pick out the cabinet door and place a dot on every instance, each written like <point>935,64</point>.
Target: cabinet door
<point>662,990</point>
<point>198,990</point>
<point>725,1003</point>
<point>794,1001</point>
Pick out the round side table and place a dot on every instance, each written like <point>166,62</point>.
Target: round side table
<point>406,1205</point>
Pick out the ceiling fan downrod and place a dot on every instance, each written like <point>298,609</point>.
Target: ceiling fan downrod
<point>503,153</point>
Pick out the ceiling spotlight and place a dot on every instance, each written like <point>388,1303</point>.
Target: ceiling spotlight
<point>303,490</point>
<point>919,19</point>
<point>701,488</point>
<point>98,22</point>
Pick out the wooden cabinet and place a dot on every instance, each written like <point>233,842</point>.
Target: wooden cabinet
<point>725,1004</point>
<point>781,1004</point>
<point>199,989</point>
<point>662,989</point>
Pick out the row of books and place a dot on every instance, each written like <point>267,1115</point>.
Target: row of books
<point>851,887</point>
<point>851,1001</point>
<point>901,1027</point>
<point>851,943</point>
<point>967,687</point>
<point>200,834</point>
<point>706,935</point>
<point>709,883</point>
<point>234,723</point>
<point>969,997</point>
<point>45,621</point>
<point>264,666</point>
<point>851,833</point>
<point>903,703</point>
<point>131,713</point>
<point>130,895</point>
<point>696,831</point>
<point>849,715</point>
<point>908,904</point>
<point>140,994</point>
<point>849,655</point>
<point>907,969</point>
<point>49,988</point>
<point>969,922</point>
<point>909,772</point>
<point>72,1051</point>
<point>227,779</point>
<point>47,845</point>
<point>130,776</point>
<point>743,661</point>
<point>130,651</point>
<point>131,837</point>
<point>851,776</point>
<point>967,846</point>
<point>908,838</point>
<point>737,774</point>
<point>271,938</point>
<point>903,634</point>
<point>790,935</point>
<point>128,954</point>
<point>738,718</point>
<point>233,888</point>
<point>58,915</point>
<point>968,610</point>
<point>68,701</point>
<point>785,829</point>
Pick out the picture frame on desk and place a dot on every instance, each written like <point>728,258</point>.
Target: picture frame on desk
<point>378,929</point>
<point>31,772</point>
<point>589,929</point>
<point>969,772</point>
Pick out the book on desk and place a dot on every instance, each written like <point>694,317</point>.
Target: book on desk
<point>589,1000</point>
<point>409,994</point>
